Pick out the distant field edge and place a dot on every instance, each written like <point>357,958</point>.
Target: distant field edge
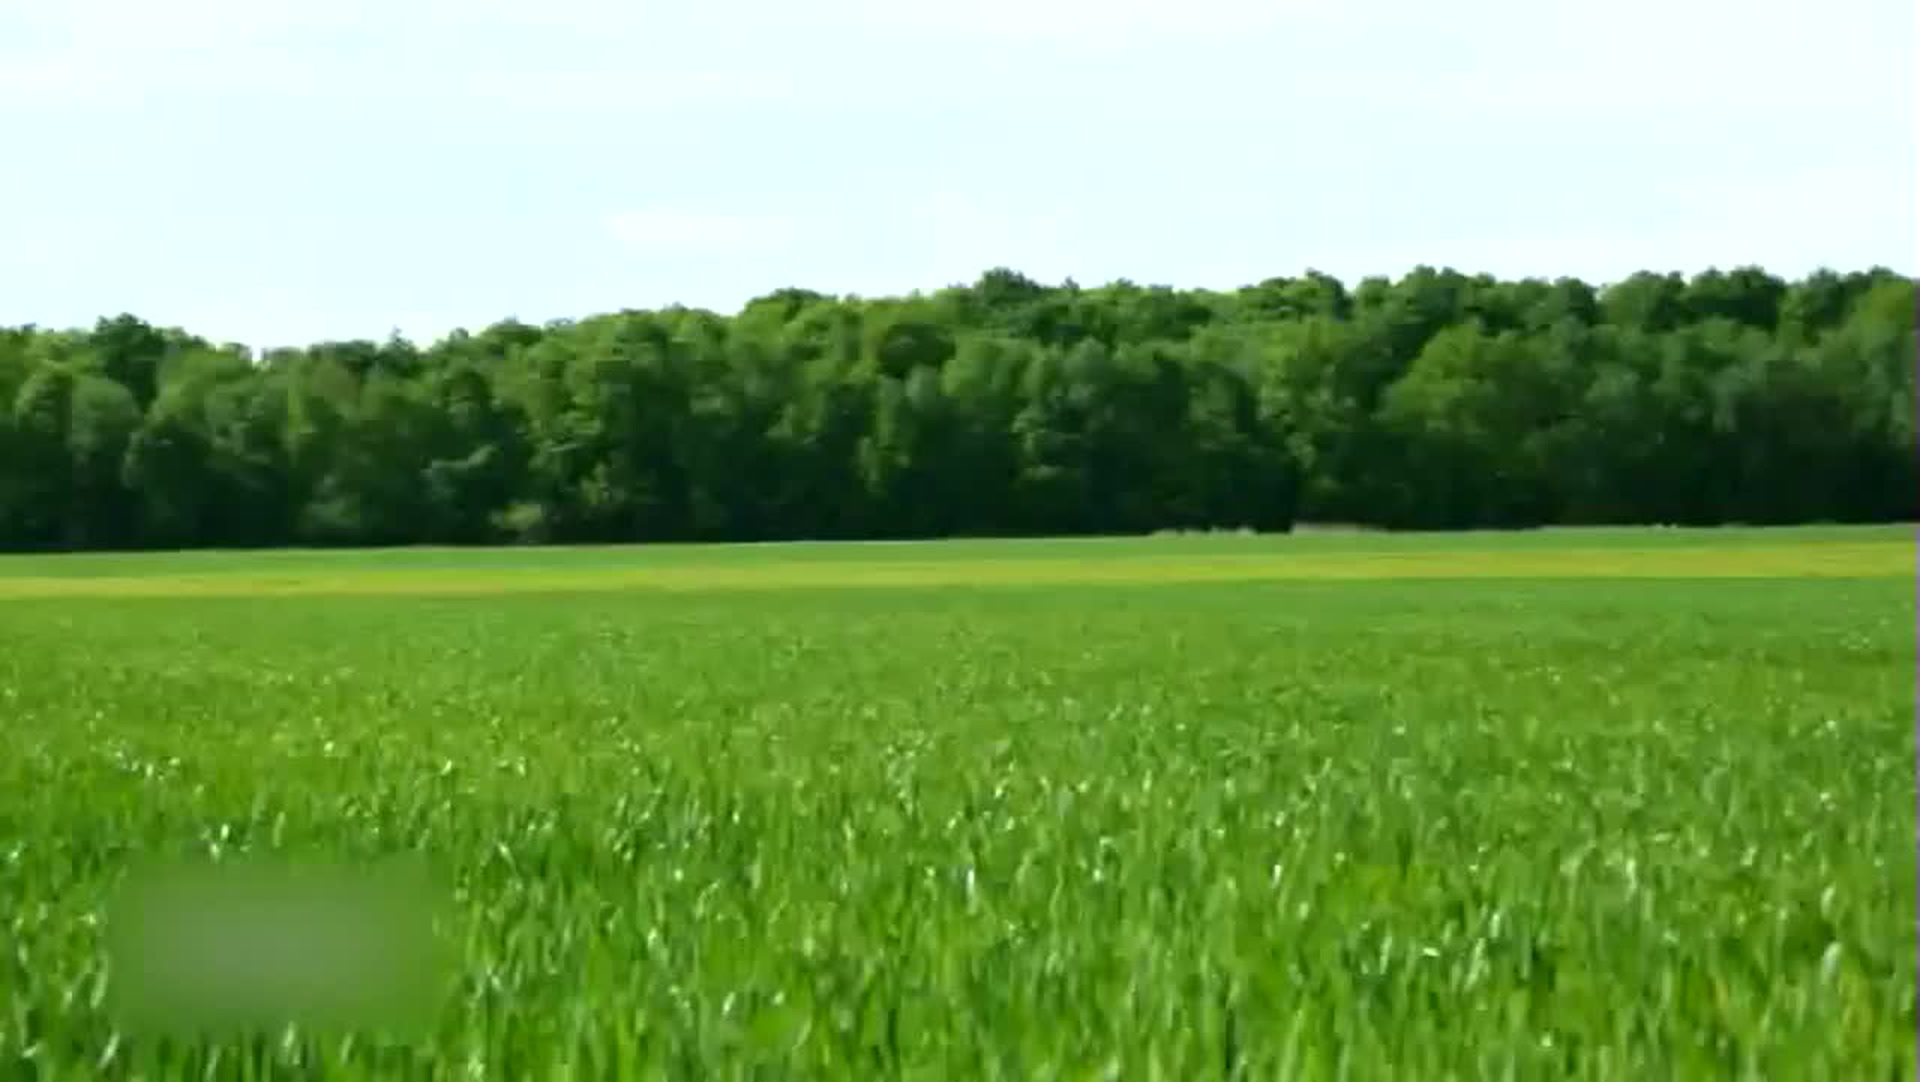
<point>1876,559</point>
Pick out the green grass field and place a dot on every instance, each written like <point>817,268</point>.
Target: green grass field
<point>1569,804</point>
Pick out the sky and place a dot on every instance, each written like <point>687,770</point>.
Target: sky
<point>276,172</point>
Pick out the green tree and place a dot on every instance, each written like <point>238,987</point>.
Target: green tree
<point>1646,301</point>
<point>1002,406</point>
<point>71,429</point>
<point>1473,418</point>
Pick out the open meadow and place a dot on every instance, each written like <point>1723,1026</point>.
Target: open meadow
<point>1620,804</point>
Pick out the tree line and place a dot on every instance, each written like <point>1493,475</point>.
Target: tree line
<point>1439,400</point>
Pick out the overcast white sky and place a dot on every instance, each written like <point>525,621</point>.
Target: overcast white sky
<point>277,171</point>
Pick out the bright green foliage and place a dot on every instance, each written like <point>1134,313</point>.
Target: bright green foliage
<point>1313,830</point>
<point>1005,407</point>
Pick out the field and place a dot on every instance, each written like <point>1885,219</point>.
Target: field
<point>1587,804</point>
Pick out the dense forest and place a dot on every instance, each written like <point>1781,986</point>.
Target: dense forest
<point>1440,400</point>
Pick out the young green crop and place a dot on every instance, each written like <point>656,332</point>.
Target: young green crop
<point>1623,828</point>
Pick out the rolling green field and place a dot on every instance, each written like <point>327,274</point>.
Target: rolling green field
<point>1592,804</point>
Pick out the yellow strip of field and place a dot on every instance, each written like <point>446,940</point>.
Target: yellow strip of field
<point>1847,560</point>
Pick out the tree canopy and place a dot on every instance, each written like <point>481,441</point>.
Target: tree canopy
<point>1440,400</point>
